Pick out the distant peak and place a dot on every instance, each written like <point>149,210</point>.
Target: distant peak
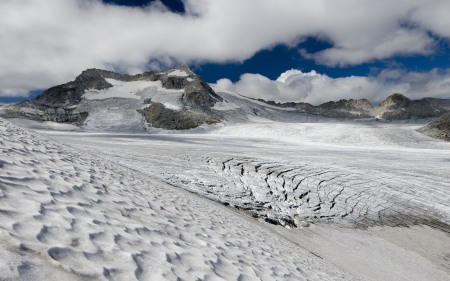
<point>394,99</point>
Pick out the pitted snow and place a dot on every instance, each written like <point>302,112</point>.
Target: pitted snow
<point>66,215</point>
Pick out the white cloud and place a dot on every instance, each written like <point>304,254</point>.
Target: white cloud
<point>311,87</point>
<point>399,42</point>
<point>45,42</point>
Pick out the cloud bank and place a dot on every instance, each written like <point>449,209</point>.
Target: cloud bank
<point>45,42</point>
<point>311,87</point>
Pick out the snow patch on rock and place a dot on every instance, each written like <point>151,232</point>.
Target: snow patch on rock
<point>178,73</point>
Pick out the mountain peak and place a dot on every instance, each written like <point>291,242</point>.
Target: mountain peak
<point>395,100</point>
<point>439,128</point>
<point>186,68</point>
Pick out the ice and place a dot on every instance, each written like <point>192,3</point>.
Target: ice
<point>381,185</point>
<point>70,215</point>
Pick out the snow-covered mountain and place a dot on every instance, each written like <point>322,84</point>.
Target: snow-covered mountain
<point>179,99</point>
<point>105,100</point>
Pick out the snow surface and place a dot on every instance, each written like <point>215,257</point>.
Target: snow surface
<point>178,73</point>
<point>69,215</point>
<point>341,176</point>
<point>46,125</point>
<point>337,189</point>
<point>252,101</point>
<point>113,115</point>
<point>120,89</point>
<point>224,105</point>
<point>139,90</point>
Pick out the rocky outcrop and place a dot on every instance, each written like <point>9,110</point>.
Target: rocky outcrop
<point>30,110</point>
<point>158,116</point>
<point>399,107</point>
<point>395,101</point>
<point>439,128</point>
<point>200,95</point>
<point>346,108</point>
<point>70,94</point>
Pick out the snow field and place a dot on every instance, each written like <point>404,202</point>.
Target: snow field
<point>67,215</point>
<point>369,197</point>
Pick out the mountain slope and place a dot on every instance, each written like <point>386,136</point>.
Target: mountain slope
<point>394,107</point>
<point>439,128</point>
<point>178,99</point>
<point>101,99</point>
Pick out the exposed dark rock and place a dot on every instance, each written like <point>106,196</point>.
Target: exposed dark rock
<point>351,104</point>
<point>345,109</point>
<point>199,94</point>
<point>395,101</point>
<point>71,93</point>
<point>29,110</point>
<point>399,107</point>
<point>161,117</point>
<point>174,82</point>
<point>177,82</point>
<point>439,128</point>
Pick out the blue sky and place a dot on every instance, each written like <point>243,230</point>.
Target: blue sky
<point>337,49</point>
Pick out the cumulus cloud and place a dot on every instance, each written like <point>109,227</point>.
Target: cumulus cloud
<point>312,87</point>
<point>45,42</point>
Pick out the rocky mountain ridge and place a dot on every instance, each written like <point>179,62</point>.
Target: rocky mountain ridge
<point>177,99</point>
<point>67,102</point>
<point>440,128</point>
<point>394,107</point>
